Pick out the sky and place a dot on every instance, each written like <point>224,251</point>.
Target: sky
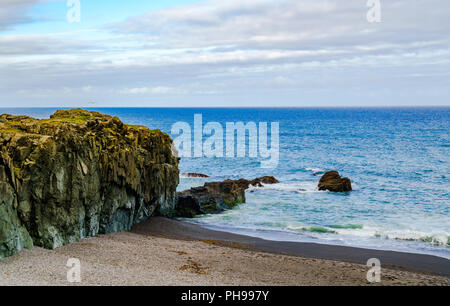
<point>224,53</point>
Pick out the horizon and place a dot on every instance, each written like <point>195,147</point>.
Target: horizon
<point>234,107</point>
<point>233,54</point>
<point>231,107</point>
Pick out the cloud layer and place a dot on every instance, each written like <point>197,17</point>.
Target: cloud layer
<point>14,12</point>
<point>234,53</point>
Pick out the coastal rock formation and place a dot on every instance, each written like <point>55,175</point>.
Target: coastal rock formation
<point>333,182</point>
<point>194,175</point>
<point>215,197</point>
<point>79,174</point>
<point>258,182</point>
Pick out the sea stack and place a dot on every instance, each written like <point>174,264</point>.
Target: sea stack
<point>333,182</point>
<point>78,174</point>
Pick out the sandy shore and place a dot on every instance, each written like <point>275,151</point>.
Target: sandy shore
<point>153,255</point>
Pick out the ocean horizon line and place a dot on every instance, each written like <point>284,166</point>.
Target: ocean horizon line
<point>232,107</point>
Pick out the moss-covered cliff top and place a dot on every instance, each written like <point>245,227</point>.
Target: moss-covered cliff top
<point>10,124</point>
<point>77,126</point>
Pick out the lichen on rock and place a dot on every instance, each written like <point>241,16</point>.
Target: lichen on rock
<point>78,174</point>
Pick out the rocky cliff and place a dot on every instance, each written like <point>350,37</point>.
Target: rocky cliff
<point>79,174</point>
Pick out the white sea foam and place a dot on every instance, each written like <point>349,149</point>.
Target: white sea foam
<point>303,187</point>
<point>438,239</point>
<point>315,170</point>
<point>350,232</point>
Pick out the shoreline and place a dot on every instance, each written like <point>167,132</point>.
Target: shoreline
<point>164,252</point>
<point>413,262</point>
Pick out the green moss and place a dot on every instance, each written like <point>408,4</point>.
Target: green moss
<point>135,127</point>
<point>11,130</point>
<point>77,116</point>
<point>11,127</point>
<point>76,120</point>
<point>17,171</point>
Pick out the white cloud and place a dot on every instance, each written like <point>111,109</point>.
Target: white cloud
<point>147,90</point>
<point>13,12</point>
<point>288,24</point>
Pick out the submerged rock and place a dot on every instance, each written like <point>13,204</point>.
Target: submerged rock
<point>215,197</point>
<point>194,175</point>
<point>332,181</point>
<point>78,174</point>
<point>258,182</point>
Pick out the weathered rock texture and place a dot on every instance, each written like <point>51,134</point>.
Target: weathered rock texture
<point>79,174</point>
<point>215,197</point>
<point>332,181</point>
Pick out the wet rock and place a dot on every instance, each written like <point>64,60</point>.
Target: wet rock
<point>333,182</point>
<point>258,182</point>
<point>215,197</point>
<point>79,174</point>
<point>194,175</point>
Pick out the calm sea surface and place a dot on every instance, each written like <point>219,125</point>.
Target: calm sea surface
<point>398,161</point>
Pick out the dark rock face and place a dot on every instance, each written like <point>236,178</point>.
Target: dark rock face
<point>79,174</point>
<point>215,197</point>
<point>332,181</point>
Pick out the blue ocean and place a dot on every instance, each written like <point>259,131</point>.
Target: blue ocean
<point>397,158</point>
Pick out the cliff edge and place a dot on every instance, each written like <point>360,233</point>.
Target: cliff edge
<point>79,174</point>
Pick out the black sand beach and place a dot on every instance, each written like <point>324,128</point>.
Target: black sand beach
<point>165,252</point>
<point>397,260</point>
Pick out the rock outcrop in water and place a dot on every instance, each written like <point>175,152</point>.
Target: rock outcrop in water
<point>333,182</point>
<point>79,174</point>
<point>194,175</point>
<point>215,197</point>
